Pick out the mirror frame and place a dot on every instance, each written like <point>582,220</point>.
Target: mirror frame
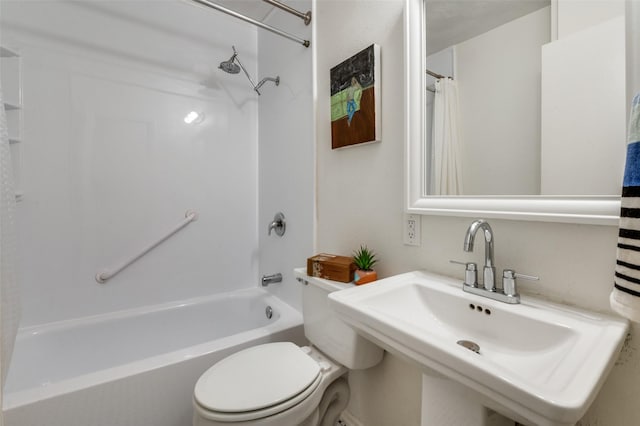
<point>597,210</point>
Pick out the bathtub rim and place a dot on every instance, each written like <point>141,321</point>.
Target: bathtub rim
<point>146,309</point>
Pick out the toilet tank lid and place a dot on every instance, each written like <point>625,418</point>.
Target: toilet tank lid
<point>256,378</point>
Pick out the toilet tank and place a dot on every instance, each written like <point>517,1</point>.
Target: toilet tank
<point>328,333</point>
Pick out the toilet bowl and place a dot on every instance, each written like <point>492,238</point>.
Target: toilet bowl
<point>282,384</point>
<point>272,384</point>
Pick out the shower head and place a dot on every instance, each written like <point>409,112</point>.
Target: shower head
<point>230,66</point>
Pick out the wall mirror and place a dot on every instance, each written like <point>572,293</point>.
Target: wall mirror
<point>534,137</point>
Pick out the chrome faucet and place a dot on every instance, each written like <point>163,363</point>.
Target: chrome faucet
<point>489,272</point>
<point>509,291</point>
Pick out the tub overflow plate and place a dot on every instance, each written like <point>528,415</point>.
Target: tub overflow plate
<point>469,345</point>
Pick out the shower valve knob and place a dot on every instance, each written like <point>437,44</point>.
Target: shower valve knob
<point>278,224</point>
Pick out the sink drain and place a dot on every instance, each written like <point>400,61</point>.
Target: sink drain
<point>469,345</point>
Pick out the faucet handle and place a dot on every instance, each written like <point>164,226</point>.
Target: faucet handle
<point>527,277</point>
<point>509,281</point>
<point>470,272</point>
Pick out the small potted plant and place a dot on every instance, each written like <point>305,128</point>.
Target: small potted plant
<point>364,260</point>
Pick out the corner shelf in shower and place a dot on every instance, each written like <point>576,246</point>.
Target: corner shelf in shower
<point>12,89</point>
<point>8,106</point>
<point>6,52</point>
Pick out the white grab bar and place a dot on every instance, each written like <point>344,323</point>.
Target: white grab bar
<point>102,277</point>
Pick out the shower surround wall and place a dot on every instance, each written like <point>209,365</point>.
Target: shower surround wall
<point>108,165</point>
<point>286,151</point>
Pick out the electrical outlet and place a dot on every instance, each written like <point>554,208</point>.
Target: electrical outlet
<point>411,230</point>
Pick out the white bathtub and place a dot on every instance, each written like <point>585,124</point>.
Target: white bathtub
<point>138,367</point>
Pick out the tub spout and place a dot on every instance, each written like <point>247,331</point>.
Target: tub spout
<point>270,279</point>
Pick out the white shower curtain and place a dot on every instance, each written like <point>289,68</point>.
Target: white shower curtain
<point>446,163</point>
<point>9,298</point>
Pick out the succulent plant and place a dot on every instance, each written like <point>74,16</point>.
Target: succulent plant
<point>364,258</point>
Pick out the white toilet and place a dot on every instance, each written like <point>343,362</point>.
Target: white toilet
<point>281,384</point>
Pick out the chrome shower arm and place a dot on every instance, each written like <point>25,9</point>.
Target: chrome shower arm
<point>264,80</point>
<point>247,74</point>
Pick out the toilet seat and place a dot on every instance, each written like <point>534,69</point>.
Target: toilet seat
<point>259,381</point>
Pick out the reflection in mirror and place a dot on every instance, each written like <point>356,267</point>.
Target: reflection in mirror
<point>524,113</point>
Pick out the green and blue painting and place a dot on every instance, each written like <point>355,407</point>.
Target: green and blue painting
<point>354,99</point>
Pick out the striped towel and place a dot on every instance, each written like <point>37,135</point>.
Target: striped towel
<point>625,297</point>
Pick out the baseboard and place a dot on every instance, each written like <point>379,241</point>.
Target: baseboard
<point>348,419</point>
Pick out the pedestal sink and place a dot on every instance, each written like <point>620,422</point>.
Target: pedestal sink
<point>536,361</point>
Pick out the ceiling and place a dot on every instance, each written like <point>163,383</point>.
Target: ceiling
<point>450,22</point>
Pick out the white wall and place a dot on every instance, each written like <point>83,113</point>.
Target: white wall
<point>360,201</point>
<point>286,155</point>
<point>359,189</point>
<point>108,164</point>
<point>498,75</point>
<point>574,16</point>
<point>632,23</point>
<point>587,130</point>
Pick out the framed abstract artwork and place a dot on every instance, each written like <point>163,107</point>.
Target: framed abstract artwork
<point>355,99</point>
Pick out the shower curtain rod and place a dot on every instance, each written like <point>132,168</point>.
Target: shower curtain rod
<point>230,12</point>
<point>306,17</point>
<point>436,75</point>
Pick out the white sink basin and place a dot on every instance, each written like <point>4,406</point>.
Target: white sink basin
<point>542,361</point>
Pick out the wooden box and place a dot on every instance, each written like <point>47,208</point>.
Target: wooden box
<point>331,267</point>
